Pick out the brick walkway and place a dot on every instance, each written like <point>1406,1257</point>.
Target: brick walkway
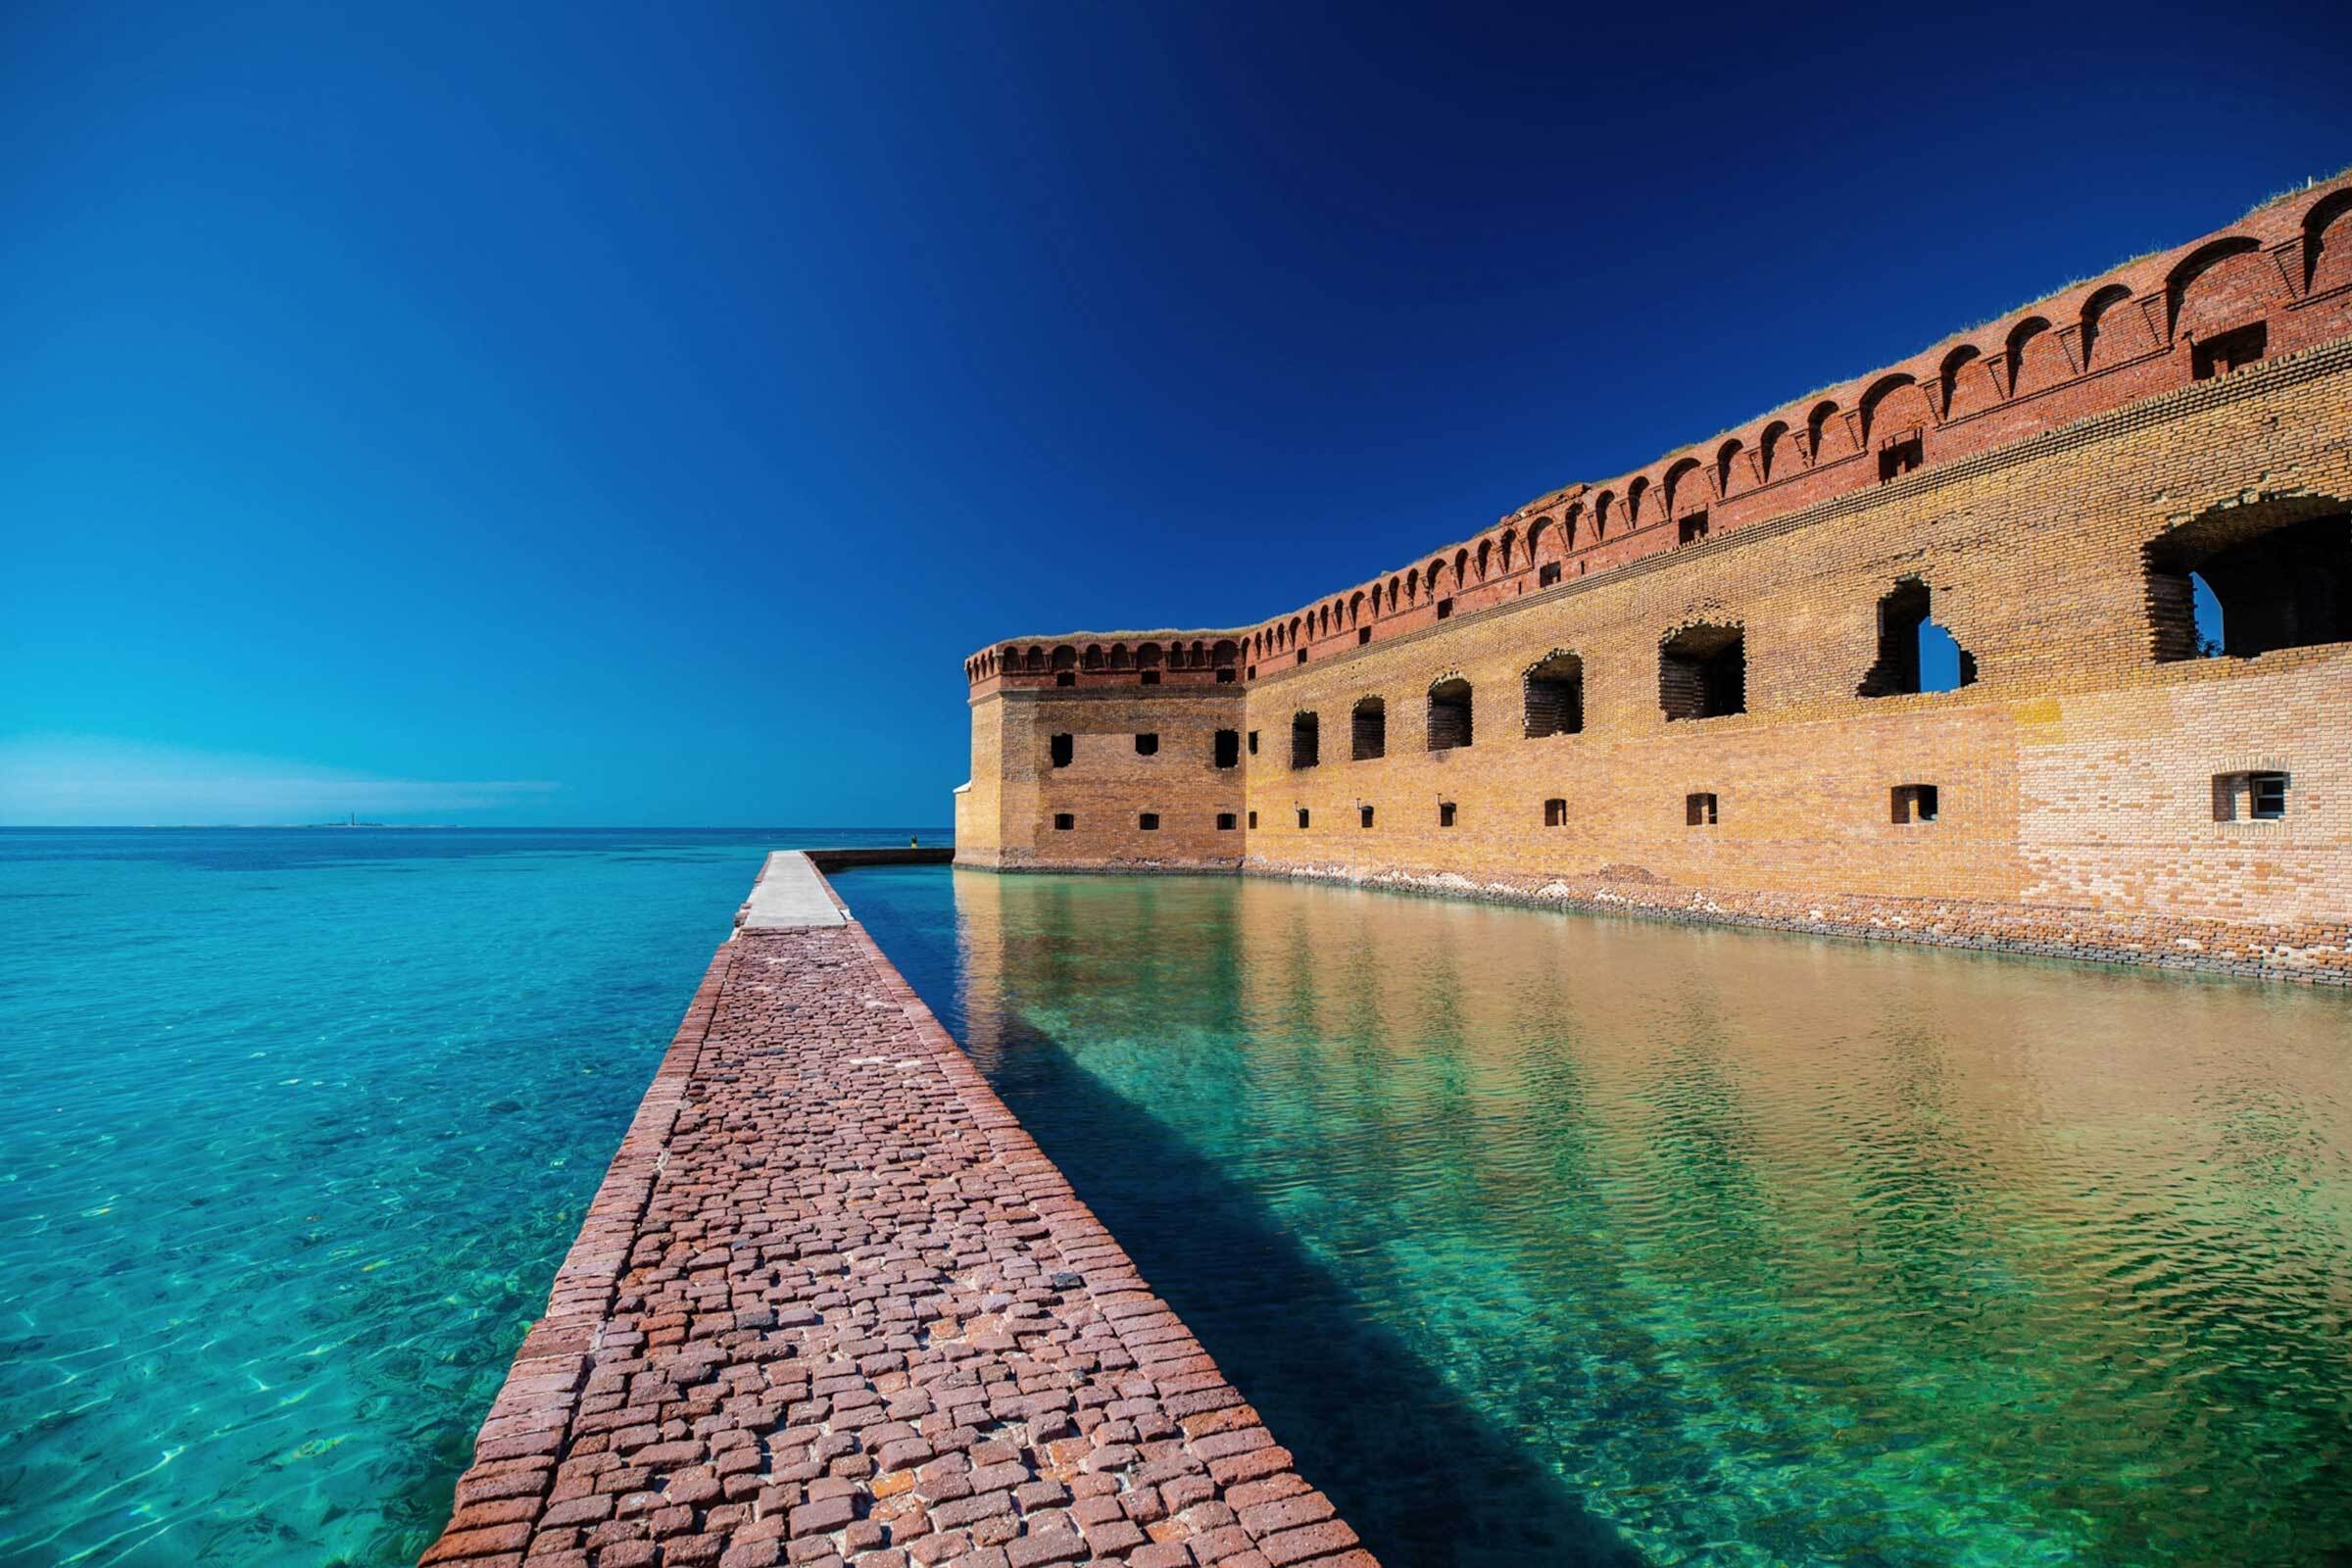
<point>831,1305</point>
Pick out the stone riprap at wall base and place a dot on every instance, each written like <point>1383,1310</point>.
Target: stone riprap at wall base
<point>2041,488</point>
<point>832,1306</point>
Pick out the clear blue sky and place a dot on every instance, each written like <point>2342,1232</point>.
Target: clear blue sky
<point>587,414</point>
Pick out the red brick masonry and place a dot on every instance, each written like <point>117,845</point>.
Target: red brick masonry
<point>831,1305</point>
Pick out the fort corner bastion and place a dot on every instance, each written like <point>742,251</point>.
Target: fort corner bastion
<point>1696,690</point>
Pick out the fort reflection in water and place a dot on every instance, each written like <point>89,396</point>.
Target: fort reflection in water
<point>1635,1242</point>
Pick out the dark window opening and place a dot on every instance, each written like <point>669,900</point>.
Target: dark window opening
<point>2260,797</point>
<point>1445,609</point>
<point>1369,729</point>
<point>2267,792</point>
<point>1253,673</point>
<point>1363,635</point>
<point>1147,744</point>
<point>1227,750</point>
<point>1363,816</point>
<point>1303,656</point>
<point>1065,678</point>
<point>1149,677</point>
<point>1899,457</point>
<point>1703,673</point>
<point>1254,743</point>
<point>1555,814</point>
<point>1555,696</point>
<point>1914,802</point>
<point>1253,820</point>
<point>1060,750</point>
<point>1692,529</point>
<point>1699,810</point>
<point>1149,821</point>
<point>1224,821</point>
<point>1915,653</point>
<point>1303,817</point>
<point>1448,715</point>
<point>1548,574</point>
<point>1445,813</point>
<point>2228,351</point>
<point>2251,584</point>
<point>1306,741</point>
<point>1064,821</point>
<point>1224,677</point>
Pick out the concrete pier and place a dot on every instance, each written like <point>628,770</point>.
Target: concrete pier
<point>831,1305</point>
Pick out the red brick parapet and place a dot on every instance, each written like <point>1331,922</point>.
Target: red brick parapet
<point>832,1305</point>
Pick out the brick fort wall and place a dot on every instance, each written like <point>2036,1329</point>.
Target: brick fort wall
<point>1693,691</point>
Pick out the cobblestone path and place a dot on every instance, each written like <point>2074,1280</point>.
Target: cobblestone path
<point>831,1305</point>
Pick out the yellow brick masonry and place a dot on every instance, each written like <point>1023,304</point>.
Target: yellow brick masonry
<point>2075,777</point>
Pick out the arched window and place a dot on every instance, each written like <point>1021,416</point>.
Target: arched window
<point>1450,714</point>
<point>1368,728</point>
<point>1306,740</point>
<point>1703,673</point>
<point>2245,580</point>
<point>1554,694</point>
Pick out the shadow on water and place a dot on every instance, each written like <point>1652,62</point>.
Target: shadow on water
<point>1351,1399</point>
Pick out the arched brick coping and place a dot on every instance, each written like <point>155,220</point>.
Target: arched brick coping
<point>831,1305</point>
<point>2275,282</point>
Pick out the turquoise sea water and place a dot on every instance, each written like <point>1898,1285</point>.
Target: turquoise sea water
<point>297,1127</point>
<point>1546,1238</point>
<point>1539,1239</point>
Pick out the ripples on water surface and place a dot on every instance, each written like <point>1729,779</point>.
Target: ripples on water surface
<point>1546,1238</point>
<point>297,1127</point>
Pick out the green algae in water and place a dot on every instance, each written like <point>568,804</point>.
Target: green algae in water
<point>1544,1238</point>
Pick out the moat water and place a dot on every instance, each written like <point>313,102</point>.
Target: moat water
<point>1539,1239</point>
<point>1546,1238</point>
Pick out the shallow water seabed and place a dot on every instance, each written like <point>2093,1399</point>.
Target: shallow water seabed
<point>298,1126</point>
<point>1611,1241</point>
